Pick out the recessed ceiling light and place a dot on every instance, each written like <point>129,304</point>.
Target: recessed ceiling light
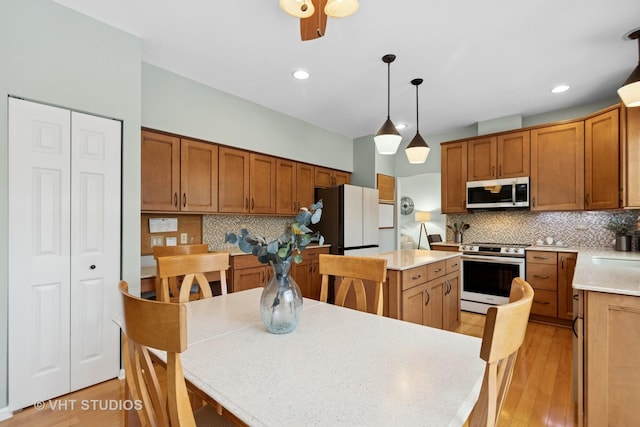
<point>300,74</point>
<point>401,126</point>
<point>560,89</point>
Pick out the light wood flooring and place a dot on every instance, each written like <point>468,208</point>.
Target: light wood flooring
<point>540,393</point>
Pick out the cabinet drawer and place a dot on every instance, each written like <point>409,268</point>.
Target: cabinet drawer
<point>452,264</point>
<point>245,261</point>
<point>542,257</point>
<point>314,253</point>
<point>437,269</point>
<point>545,303</point>
<point>414,276</point>
<point>542,276</point>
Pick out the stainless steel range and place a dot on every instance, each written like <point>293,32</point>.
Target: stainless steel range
<point>487,272</point>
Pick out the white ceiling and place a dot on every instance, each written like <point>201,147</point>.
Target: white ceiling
<point>480,60</point>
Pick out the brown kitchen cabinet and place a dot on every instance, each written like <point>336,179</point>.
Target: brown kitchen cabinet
<point>601,161</point>
<point>550,274</point>
<point>501,156</point>
<point>608,348</point>
<point>454,177</point>
<point>307,273</point>
<point>247,272</point>
<point>431,294</point>
<point>247,182</point>
<point>178,174</point>
<point>324,177</point>
<point>630,174</point>
<point>557,167</point>
<point>294,186</point>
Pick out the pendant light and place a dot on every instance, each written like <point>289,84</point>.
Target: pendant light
<point>630,90</point>
<point>388,138</point>
<point>341,8</point>
<point>417,150</point>
<point>298,8</point>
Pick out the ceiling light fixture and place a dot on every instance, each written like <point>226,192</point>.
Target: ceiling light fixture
<point>388,138</point>
<point>341,8</point>
<point>300,74</point>
<point>630,90</point>
<point>560,88</point>
<point>418,149</point>
<point>298,8</point>
<point>401,126</point>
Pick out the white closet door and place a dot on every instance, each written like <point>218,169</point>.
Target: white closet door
<point>95,249</point>
<point>39,250</point>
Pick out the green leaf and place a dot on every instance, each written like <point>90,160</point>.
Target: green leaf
<point>230,238</point>
<point>315,218</point>
<point>273,247</point>
<point>297,258</point>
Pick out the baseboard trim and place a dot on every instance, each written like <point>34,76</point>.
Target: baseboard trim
<point>5,413</point>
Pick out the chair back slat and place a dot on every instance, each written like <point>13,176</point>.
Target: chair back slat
<point>192,267</point>
<point>163,293</point>
<point>351,272</point>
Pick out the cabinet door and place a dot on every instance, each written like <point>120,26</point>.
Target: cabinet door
<point>286,187</point>
<point>566,268</point>
<point>302,275</point>
<point>601,161</point>
<point>631,158</point>
<point>454,177</point>
<point>340,178</point>
<point>263,184</point>
<point>481,155</point>
<point>413,304</point>
<point>433,309</point>
<point>304,186</point>
<point>612,369</point>
<point>557,167</point>
<point>160,172</point>
<point>198,176</point>
<point>451,303</point>
<point>234,180</point>
<point>249,278</point>
<point>513,155</point>
<point>323,177</point>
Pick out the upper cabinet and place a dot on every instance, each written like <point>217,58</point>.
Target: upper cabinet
<point>178,174</point>
<point>557,167</point>
<point>602,161</point>
<point>294,186</point>
<point>630,176</point>
<point>247,182</point>
<point>454,177</point>
<point>329,177</point>
<point>502,156</point>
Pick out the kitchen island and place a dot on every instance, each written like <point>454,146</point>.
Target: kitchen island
<point>608,329</point>
<point>423,286</point>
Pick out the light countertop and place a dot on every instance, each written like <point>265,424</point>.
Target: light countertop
<point>405,259</point>
<point>552,248</point>
<point>607,270</point>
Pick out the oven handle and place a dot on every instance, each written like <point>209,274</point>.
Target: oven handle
<point>494,259</point>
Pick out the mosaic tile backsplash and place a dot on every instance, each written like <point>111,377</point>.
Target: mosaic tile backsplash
<point>576,229</point>
<point>214,228</point>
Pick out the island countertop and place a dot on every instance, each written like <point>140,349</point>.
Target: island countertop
<point>405,259</point>
<point>606,270</point>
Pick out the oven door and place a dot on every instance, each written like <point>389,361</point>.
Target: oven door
<point>486,280</point>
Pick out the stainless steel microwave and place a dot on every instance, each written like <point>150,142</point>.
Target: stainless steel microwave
<point>498,193</point>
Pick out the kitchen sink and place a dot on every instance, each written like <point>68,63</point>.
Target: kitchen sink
<point>616,262</point>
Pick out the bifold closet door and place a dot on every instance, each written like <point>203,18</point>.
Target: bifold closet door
<point>64,250</point>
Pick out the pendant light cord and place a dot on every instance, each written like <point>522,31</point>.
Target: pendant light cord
<point>417,115</point>
<point>388,90</point>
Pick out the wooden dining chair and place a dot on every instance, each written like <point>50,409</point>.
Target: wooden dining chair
<point>191,267</point>
<point>162,251</point>
<point>504,331</point>
<point>350,272</point>
<point>162,326</point>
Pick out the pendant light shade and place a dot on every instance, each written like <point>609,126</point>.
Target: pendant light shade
<point>388,138</point>
<point>298,8</point>
<point>630,90</point>
<point>418,149</point>
<point>341,8</point>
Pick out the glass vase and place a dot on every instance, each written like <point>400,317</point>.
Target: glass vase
<point>281,301</point>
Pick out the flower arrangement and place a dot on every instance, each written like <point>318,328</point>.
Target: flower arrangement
<point>621,225</point>
<point>289,245</point>
<point>458,227</point>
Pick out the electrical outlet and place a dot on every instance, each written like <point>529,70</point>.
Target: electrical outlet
<point>156,241</point>
<point>183,238</point>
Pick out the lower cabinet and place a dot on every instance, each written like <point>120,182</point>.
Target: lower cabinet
<point>431,294</point>
<point>307,273</point>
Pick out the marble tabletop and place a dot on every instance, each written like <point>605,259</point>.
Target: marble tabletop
<point>405,259</point>
<point>339,367</point>
<point>606,270</point>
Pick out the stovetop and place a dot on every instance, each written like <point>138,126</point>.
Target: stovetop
<point>496,249</point>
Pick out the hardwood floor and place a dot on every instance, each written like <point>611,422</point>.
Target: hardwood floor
<point>540,393</point>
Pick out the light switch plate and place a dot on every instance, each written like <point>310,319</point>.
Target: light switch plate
<point>183,238</point>
<point>156,241</point>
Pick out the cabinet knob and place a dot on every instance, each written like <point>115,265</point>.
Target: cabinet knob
<point>426,291</point>
<point>416,277</point>
<point>175,199</point>
<point>540,277</point>
<point>252,203</point>
<point>184,200</point>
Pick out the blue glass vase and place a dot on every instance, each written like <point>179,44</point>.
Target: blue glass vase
<point>281,301</point>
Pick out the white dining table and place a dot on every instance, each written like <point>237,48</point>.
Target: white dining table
<point>339,367</point>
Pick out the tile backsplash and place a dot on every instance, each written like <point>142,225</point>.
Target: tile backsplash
<point>214,228</point>
<point>577,229</point>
